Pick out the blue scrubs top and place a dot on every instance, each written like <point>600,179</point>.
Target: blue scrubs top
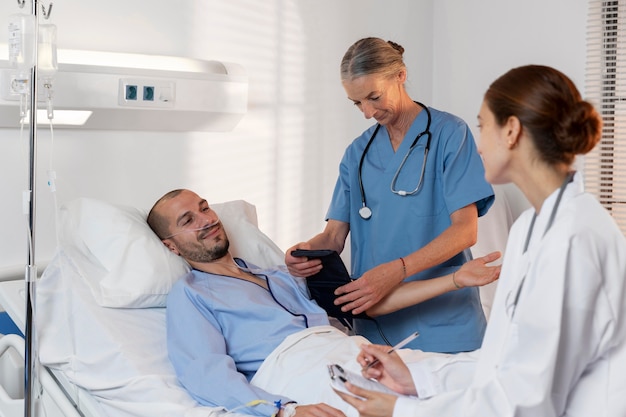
<point>454,178</point>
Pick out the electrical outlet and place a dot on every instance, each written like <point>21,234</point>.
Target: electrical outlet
<point>146,93</point>
<point>130,92</point>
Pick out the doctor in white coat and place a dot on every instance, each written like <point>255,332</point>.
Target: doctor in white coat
<point>555,344</point>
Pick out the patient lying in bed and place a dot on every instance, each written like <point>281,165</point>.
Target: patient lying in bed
<point>100,307</point>
<point>225,317</point>
<point>101,319</point>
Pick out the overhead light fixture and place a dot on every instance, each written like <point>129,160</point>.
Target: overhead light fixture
<point>65,117</point>
<point>117,91</point>
<point>62,117</point>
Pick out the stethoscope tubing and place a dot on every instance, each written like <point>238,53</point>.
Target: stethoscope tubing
<point>510,307</point>
<point>365,212</point>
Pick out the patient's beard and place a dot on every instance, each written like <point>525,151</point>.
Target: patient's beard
<point>195,253</point>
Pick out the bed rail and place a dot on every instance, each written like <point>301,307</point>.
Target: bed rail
<point>54,400</point>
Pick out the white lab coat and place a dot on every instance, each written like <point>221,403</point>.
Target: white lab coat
<point>561,351</point>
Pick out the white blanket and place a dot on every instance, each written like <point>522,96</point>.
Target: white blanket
<point>297,368</point>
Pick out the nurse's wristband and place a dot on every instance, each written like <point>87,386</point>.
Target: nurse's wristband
<point>403,268</point>
<point>458,287</point>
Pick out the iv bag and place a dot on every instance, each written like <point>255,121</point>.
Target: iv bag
<point>47,64</point>
<point>22,41</point>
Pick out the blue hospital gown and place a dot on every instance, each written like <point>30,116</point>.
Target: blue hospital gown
<point>220,329</point>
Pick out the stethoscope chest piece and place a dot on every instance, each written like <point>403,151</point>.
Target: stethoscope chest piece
<point>365,212</point>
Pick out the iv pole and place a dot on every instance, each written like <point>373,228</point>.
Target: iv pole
<point>31,268</point>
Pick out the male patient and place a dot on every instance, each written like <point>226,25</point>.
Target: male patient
<point>222,319</point>
<point>226,318</point>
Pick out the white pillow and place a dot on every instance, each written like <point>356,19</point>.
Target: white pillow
<point>127,264</point>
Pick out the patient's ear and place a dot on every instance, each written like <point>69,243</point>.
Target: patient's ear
<point>171,246</point>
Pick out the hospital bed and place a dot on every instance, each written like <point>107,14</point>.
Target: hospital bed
<point>100,316</point>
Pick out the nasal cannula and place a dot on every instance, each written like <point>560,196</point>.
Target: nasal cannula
<point>193,230</point>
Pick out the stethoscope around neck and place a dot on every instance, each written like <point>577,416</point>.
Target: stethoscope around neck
<point>512,300</point>
<point>365,212</point>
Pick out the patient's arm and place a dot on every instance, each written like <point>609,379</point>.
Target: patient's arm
<point>200,355</point>
<point>473,273</point>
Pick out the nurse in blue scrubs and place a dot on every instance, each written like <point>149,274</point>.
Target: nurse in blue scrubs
<point>409,194</point>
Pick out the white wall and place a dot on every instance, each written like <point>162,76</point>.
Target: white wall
<point>477,41</point>
<point>283,156</point>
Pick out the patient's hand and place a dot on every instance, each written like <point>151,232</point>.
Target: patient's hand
<point>313,410</point>
<point>476,272</point>
<point>301,266</point>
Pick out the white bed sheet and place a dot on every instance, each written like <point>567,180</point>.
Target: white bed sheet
<point>60,397</point>
<point>118,356</point>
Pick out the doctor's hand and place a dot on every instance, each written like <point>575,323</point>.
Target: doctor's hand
<point>475,273</point>
<point>390,370</point>
<point>370,288</point>
<point>301,266</point>
<point>371,403</point>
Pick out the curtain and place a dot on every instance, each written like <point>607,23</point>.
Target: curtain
<point>605,87</point>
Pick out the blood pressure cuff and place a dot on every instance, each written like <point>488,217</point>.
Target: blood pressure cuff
<point>322,285</point>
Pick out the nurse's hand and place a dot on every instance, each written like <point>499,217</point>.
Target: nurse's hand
<point>301,266</point>
<point>371,404</point>
<point>370,288</point>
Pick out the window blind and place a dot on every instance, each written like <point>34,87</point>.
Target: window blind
<point>605,87</point>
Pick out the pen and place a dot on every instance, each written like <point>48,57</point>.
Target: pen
<point>400,345</point>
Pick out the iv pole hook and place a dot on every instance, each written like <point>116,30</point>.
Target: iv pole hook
<point>21,3</point>
<point>46,14</point>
